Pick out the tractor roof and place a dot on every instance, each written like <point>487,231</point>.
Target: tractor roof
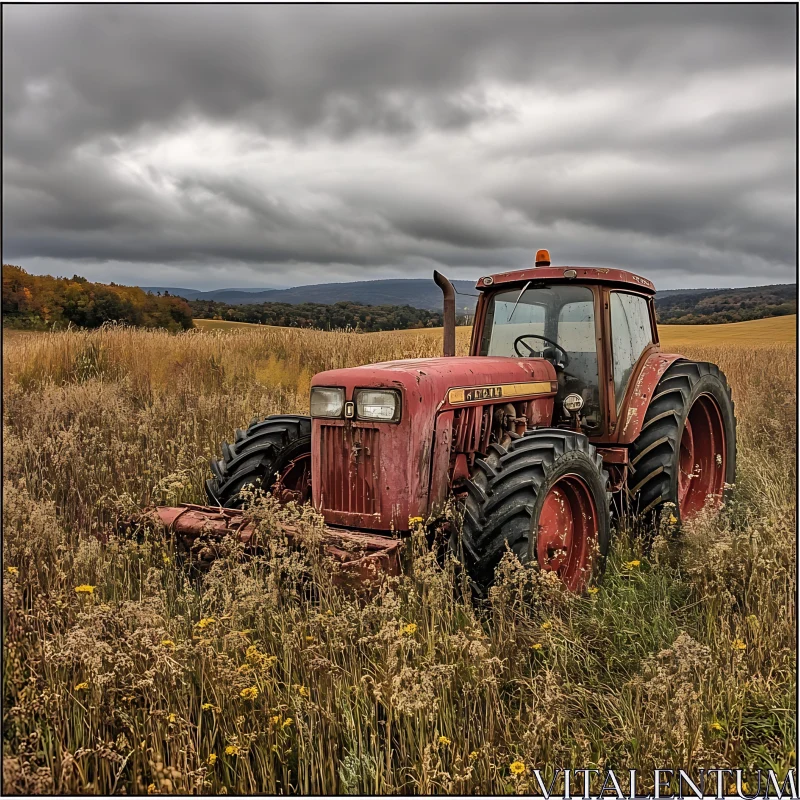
<point>617,277</point>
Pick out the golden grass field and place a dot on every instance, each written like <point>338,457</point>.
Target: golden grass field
<point>125,672</point>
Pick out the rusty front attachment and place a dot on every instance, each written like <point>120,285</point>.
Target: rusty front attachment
<point>363,558</point>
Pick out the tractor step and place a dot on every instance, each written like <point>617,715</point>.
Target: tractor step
<point>364,558</point>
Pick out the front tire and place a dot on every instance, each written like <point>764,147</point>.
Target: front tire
<point>279,446</point>
<point>545,498</point>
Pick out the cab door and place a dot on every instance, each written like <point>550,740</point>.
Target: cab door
<point>631,335</point>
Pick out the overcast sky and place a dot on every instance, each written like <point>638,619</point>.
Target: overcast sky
<point>219,146</point>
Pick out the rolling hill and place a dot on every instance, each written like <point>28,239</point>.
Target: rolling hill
<point>418,293</point>
<point>674,306</point>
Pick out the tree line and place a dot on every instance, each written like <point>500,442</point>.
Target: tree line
<point>38,302</point>
<point>337,316</point>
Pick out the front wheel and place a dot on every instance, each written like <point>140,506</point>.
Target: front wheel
<point>545,498</point>
<point>273,454</point>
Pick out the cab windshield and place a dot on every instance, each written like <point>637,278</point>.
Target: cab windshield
<point>528,321</point>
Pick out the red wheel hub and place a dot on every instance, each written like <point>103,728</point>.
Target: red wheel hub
<point>702,461</point>
<point>567,532</point>
<point>294,482</point>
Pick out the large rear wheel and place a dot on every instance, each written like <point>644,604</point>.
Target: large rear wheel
<point>544,496</point>
<point>686,451</point>
<point>273,454</point>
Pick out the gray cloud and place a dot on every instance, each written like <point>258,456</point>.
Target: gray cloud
<point>236,145</point>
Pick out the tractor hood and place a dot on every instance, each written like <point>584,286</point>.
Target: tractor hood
<point>428,381</point>
<point>376,475</point>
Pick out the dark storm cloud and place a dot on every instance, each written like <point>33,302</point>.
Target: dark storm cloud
<point>377,141</point>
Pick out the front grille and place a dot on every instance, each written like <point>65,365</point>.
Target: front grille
<point>349,469</point>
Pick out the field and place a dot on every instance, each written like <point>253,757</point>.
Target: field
<point>124,672</point>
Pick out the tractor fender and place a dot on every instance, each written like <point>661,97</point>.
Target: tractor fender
<point>640,394</point>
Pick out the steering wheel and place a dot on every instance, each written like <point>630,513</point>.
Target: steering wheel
<point>518,340</point>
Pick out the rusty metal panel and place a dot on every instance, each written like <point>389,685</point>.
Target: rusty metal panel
<point>582,275</point>
<point>350,469</point>
<point>440,462</point>
<point>639,394</point>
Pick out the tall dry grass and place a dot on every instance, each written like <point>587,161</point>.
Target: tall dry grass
<point>261,676</point>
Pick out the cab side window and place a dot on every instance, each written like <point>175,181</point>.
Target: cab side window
<point>630,334</point>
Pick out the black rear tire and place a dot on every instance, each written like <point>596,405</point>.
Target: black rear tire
<point>655,455</point>
<point>506,494</point>
<point>264,449</point>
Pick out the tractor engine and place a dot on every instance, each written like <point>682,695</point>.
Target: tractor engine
<point>390,441</point>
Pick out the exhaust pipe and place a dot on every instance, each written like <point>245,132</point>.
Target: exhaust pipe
<point>449,298</point>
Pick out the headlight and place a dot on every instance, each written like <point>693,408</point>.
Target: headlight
<point>380,404</point>
<point>326,401</point>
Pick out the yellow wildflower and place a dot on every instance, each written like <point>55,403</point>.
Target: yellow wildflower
<point>250,693</point>
<point>672,519</point>
<point>85,588</point>
<point>409,630</point>
<point>207,706</point>
<point>287,722</point>
<point>444,741</point>
<point>275,720</point>
<point>738,644</point>
<point>546,626</point>
<point>81,686</point>
<point>517,768</point>
<point>537,646</point>
<point>171,718</point>
<point>12,570</point>
<point>715,726</point>
<point>212,759</point>
<point>309,638</point>
<point>205,622</point>
<point>232,750</point>
<point>632,564</point>
<point>412,521</point>
<point>473,755</point>
<point>244,668</point>
<point>593,589</point>
<point>301,690</point>
<point>151,789</point>
<point>167,643</point>
<point>329,613</point>
<point>752,619</point>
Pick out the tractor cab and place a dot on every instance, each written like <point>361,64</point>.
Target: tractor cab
<point>592,324</point>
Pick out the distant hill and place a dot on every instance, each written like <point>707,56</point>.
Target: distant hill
<point>198,294</point>
<point>710,306</point>
<point>674,306</point>
<point>418,293</point>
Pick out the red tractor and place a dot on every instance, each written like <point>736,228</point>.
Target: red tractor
<point>565,399</point>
